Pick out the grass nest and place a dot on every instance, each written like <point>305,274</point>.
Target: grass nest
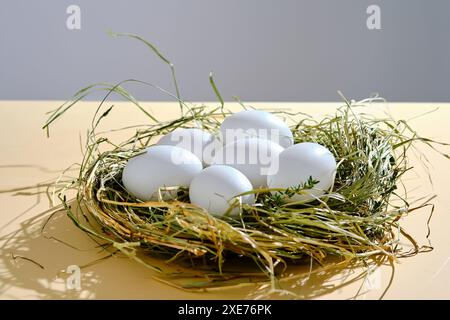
<point>357,220</point>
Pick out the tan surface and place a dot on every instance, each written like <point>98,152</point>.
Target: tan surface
<point>28,157</point>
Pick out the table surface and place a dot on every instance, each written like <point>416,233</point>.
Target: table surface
<point>28,158</point>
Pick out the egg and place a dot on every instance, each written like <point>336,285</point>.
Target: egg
<point>300,162</point>
<point>216,187</point>
<point>256,123</point>
<point>158,167</point>
<point>197,141</point>
<point>251,156</point>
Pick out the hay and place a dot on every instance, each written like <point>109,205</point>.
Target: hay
<point>356,221</point>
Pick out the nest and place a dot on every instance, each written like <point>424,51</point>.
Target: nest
<point>357,220</point>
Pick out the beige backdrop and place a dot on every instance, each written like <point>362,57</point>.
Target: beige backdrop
<point>28,157</point>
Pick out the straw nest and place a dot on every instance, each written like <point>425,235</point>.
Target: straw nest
<point>356,220</point>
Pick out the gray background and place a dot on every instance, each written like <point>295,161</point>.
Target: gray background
<point>258,50</point>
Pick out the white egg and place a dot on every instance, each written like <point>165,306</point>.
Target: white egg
<point>197,141</point>
<point>256,123</point>
<point>300,162</point>
<point>160,166</point>
<point>254,157</point>
<point>216,187</point>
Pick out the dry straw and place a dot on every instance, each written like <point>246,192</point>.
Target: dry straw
<point>357,221</point>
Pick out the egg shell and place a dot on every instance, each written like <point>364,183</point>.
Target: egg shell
<point>197,141</point>
<point>215,187</point>
<point>256,123</point>
<point>301,161</point>
<point>251,156</point>
<point>159,166</point>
